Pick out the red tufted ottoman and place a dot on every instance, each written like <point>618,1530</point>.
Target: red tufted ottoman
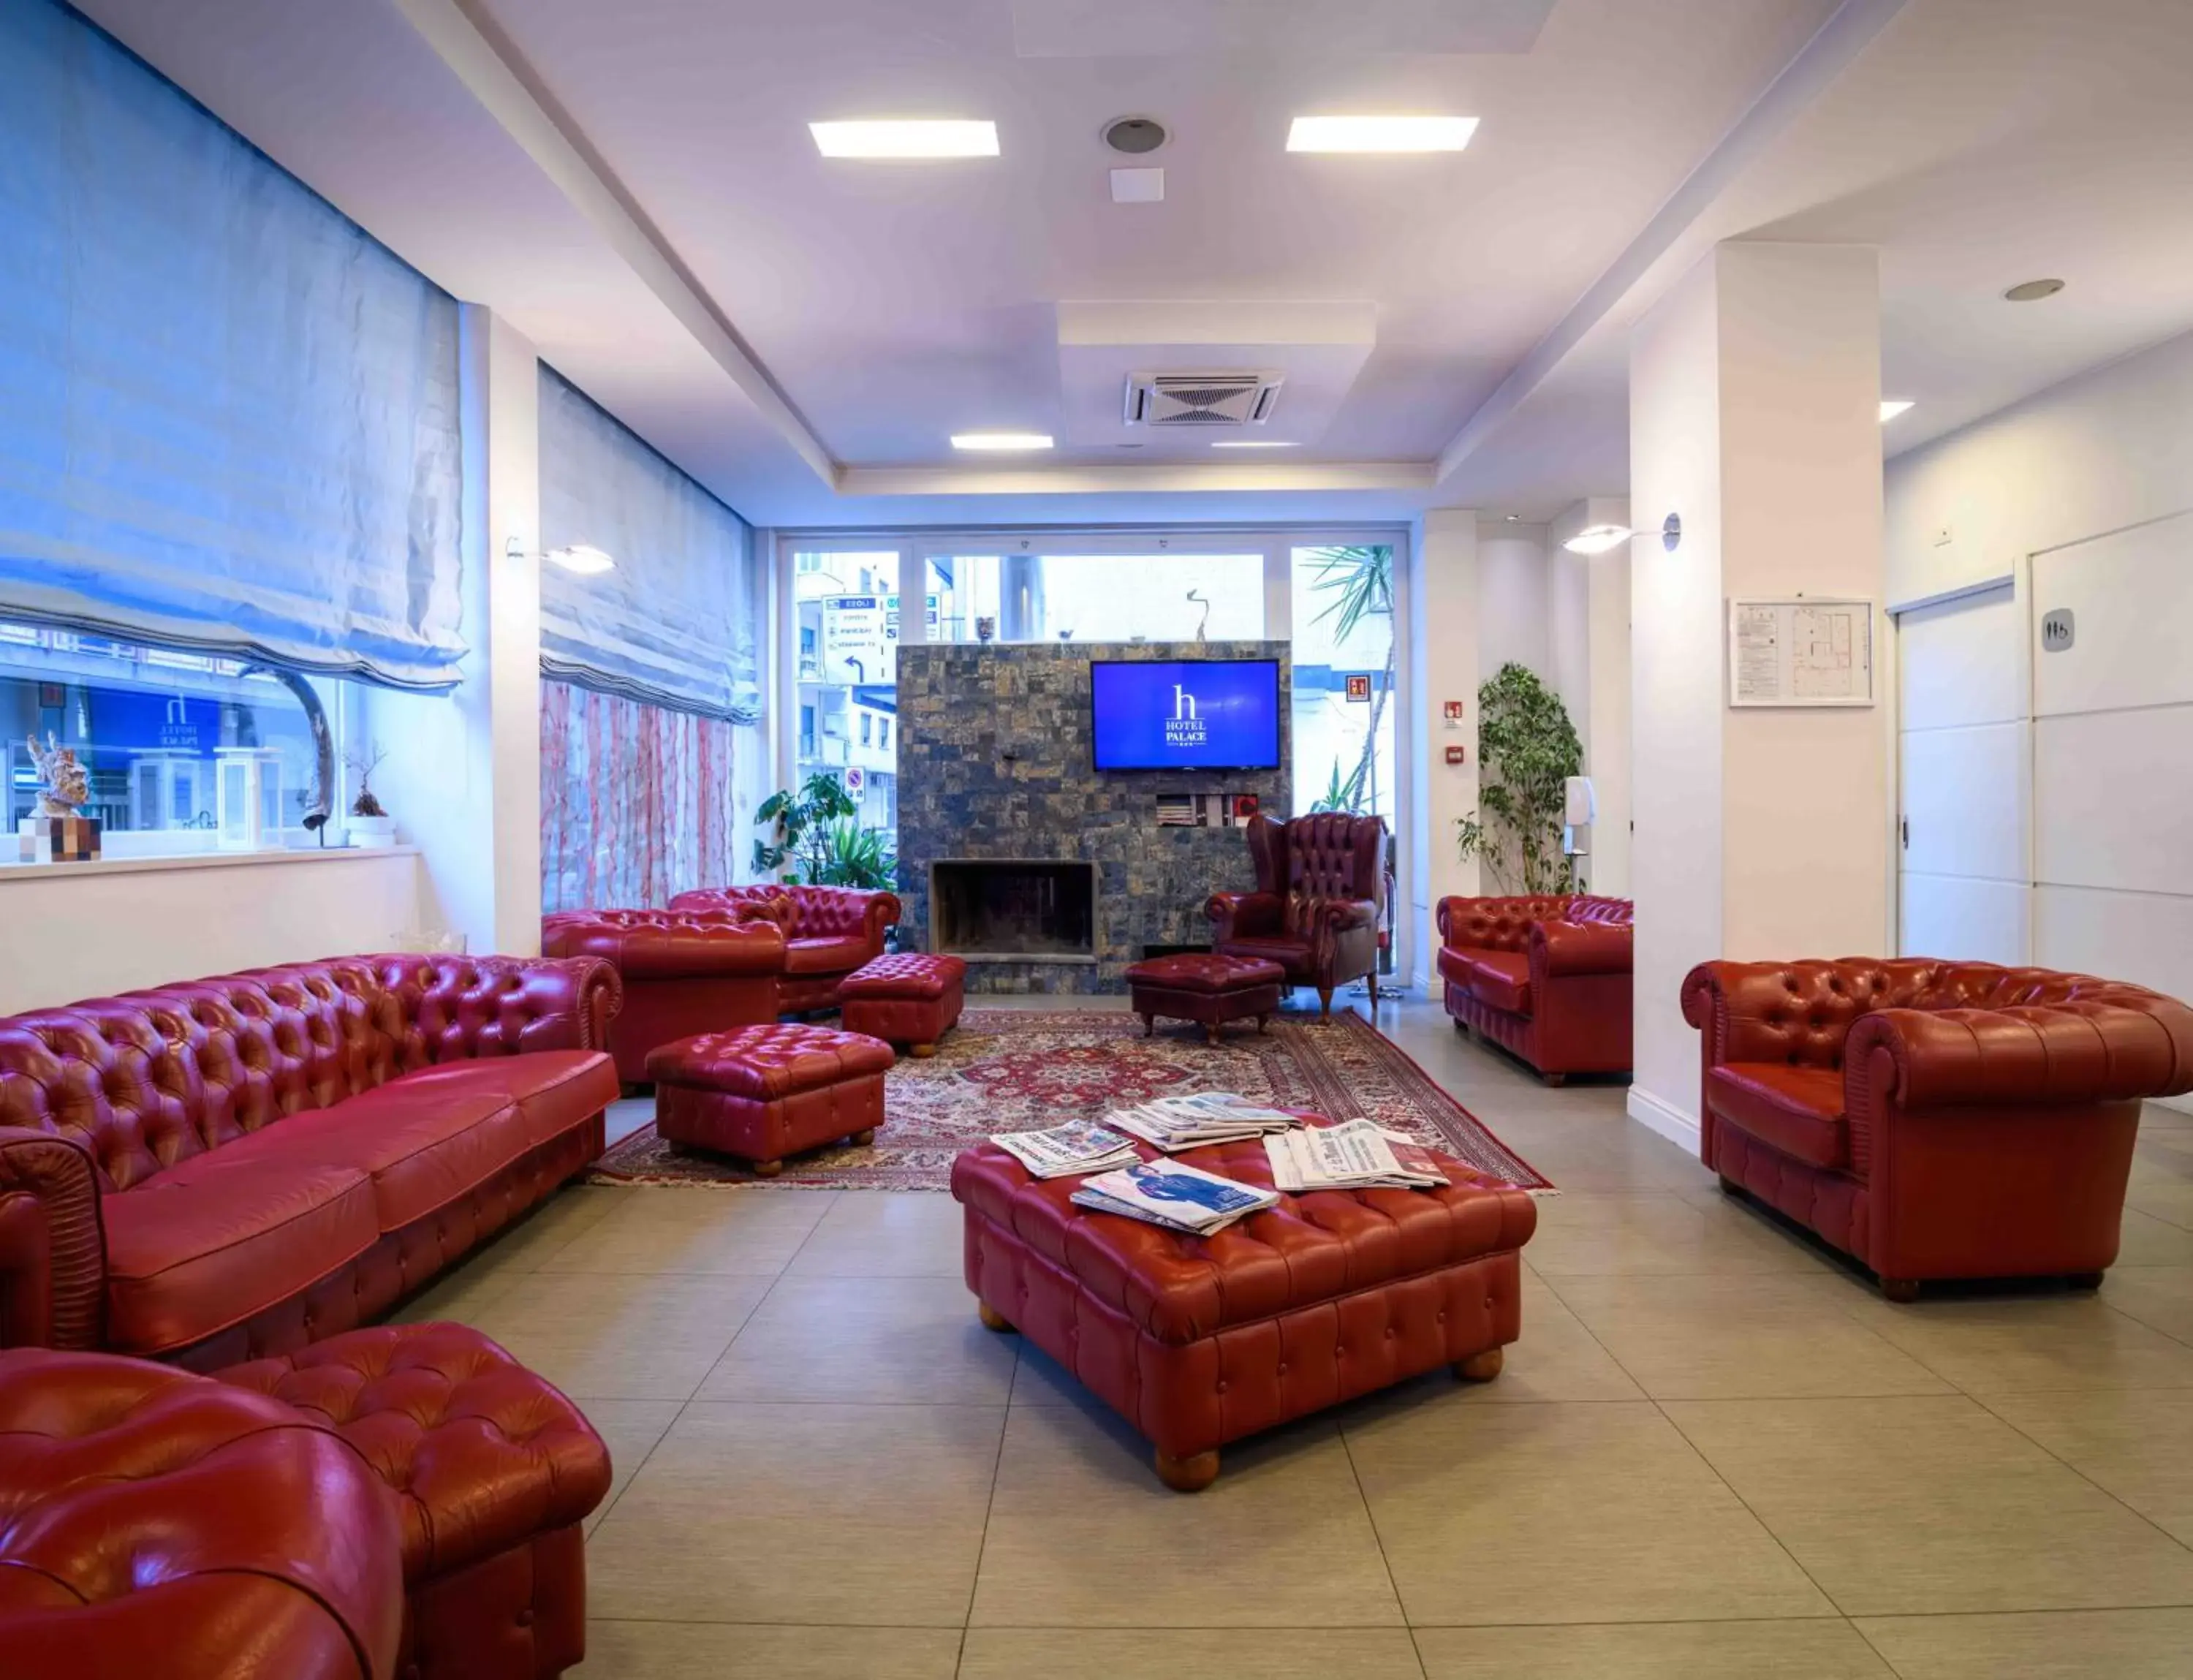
<point>766,1093</point>
<point>1210,989</point>
<point>1198,1341</point>
<point>493,1472</point>
<point>912,999</point>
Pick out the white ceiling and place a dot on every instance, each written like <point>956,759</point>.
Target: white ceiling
<point>634,187</point>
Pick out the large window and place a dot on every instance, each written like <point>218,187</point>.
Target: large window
<point>151,725</point>
<point>848,607</point>
<point>1345,666</point>
<point>1165,596</point>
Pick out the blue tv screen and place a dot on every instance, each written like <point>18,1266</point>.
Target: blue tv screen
<point>1186,714</point>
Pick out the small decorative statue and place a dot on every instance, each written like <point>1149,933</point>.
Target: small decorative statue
<point>365,760</point>
<point>1203,623</point>
<point>67,783</point>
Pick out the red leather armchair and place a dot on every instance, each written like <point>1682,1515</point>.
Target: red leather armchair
<point>153,1522</point>
<point>1320,888</point>
<point>1547,977</point>
<point>1934,1120</point>
<point>685,972</point>
<point>828,931</point>
<point>234,1167</point>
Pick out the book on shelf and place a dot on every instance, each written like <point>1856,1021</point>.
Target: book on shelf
<point>1173,1195</point>
<point>1189,1123</point>
<point>1354,1155</point>
<point>1078,1146</point>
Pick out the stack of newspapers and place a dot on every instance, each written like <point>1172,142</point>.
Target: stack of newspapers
<point>1354,1155</point>
<point>1078,1146</point>
<point>1174,1194</point>
<point>1177,1123</point>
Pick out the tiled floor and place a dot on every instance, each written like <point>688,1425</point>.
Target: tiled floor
<point>1715,1452</point>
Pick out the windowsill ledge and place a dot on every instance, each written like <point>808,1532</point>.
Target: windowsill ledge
<point>12,871</point>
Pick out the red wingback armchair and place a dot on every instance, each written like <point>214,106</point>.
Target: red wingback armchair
<point>685,972</point>
<point>828,931</point>
<point>1320,887</point>
<point>234,1167</point>
<point>1934,1120</point>
<point>1548,978</point>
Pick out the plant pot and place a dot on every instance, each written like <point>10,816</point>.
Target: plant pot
<point>371,834</point>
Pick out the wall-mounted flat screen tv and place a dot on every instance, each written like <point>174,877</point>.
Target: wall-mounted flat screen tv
<point>1186,714</point>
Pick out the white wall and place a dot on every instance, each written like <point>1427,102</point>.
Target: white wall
<point>90,931</point>
<point>2111,448</point>
<point>1443,602</point>
<point>1514,597</point>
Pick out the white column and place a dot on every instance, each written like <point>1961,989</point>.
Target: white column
<point>1443,662</point>
<point>1591,629</point>
<point>1754,388</point>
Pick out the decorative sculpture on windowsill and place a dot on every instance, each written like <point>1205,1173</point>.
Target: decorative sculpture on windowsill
<point>370,825</point>
<point>59,832</point>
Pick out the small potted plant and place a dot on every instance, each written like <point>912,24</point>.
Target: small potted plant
<point>371,826</point>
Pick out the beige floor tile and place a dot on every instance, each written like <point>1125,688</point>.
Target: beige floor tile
<point>1927,1505</point>
<point>1082,1533</point>
<point>573,1209</point>
<point>1589,1234</point>
<point>869,1234</point>
<point>1268,1653</point>
<point>641,1650</point>
<point>1604,1154</point>
<point>2136,1444</point>
<point>462,1294</point>
<point>868,1516</point>
<point>2160,1297</point>
<point>2168,1200</point>
<point>2022,1343</point>
<point>2146,1241</point>
<point>1564,1513</point>
<point>1739,1338</point>
<point>879,1340</point>
<point>720,1232</point>
<point>2082,1645</point>
<point>621,1336</point>
<point>1830,1649</point>
<point>630,1428</point>
<point>626,1116</point>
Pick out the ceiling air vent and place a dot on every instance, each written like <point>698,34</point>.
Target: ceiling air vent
<point>1202,399</point>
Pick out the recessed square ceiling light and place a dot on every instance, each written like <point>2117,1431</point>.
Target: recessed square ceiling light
<point>1381,133</point>
<point>1890,408</point>
<point>1001,442</point>
<point>925,138</point>
<point>1249,444</point>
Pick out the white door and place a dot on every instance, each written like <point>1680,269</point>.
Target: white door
<point>1965,759</point>
<point>2113,757</point>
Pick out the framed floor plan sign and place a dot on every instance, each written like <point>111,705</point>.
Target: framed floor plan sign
<point>1805,650</point>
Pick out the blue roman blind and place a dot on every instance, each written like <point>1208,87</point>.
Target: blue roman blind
<point>228,417</point>
<point>677,623</point>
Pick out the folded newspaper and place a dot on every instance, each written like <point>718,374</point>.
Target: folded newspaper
<point>1177,1123</point>
<point>1078,1146</point>
<point>1355,1154</point>
<point>1174,1194</point>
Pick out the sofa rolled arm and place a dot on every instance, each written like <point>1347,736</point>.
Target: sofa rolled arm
<point>2036,1055</point>
<point>53,1257</point>
<point>1246,915</point>
<point>1559,948</point>
<point>883,911</point>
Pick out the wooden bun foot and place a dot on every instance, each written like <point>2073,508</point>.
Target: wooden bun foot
<point>921,1053</point>
<point>1209,1035</point>
<point>1190,1475</point>
<point>862,1139</point>
<point>1480,1367</point>
<point>768,1169</point>
<point>992,1319</point>
<point>1902,1290</point>
<point>2084,1280</point>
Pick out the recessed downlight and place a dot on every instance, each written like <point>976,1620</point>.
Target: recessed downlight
<point>1001,442</point>
<point>1135,136</point>
<point>925,138</point>
<point>1892,406</point>
<point>1381,133</point>
<point>2032,291</point>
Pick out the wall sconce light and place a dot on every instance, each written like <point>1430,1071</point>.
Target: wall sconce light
<point>581,558</point>
<point>1598,539</point>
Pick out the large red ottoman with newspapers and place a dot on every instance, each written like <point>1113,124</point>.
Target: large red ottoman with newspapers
<point>1198,1341</point>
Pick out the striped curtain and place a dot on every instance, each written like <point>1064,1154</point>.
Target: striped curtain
<point>638,802</point>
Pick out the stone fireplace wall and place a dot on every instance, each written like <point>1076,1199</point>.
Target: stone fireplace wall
<point>995,761</point>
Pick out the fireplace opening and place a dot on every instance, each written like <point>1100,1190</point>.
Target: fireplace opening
<point>1014,911</point>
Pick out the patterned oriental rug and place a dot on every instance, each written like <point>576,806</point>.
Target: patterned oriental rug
<point>1019,1071</point>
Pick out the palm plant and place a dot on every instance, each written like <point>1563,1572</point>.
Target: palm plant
<point>1361,580</point>
<point>850,855</point>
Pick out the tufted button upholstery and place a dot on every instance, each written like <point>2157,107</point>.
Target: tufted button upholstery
<point>912,999</point>
<point>153,1523</point>
<point>1936,1118</point>
<point>1199,1341</point>
<point>1548,977</point>
<point>829,930</point>
<point>1193,972</point>
<point>685,972</point>
<point>1320,890</point>
<point>764,1093</point>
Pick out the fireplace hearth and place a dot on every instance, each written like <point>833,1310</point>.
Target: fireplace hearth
<point>1014,910</point>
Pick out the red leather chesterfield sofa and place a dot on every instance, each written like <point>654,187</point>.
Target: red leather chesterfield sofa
<point>235,1166</point>
<point>1548,978</point>
<point>1320,883</point>
<point>159,1524</point>
<point>828,932</point>
<point>685,972</point>
<point>1934,1120</point>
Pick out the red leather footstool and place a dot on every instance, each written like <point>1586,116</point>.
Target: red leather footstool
<point>1211,989</point>
<point>766,1093</point>
<point>1198,1341</point>
<point>912,999</point>
<point>493,1472</point>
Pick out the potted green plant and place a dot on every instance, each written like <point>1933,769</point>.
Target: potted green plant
<point>798,845</point>
<point>1526,750</point>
